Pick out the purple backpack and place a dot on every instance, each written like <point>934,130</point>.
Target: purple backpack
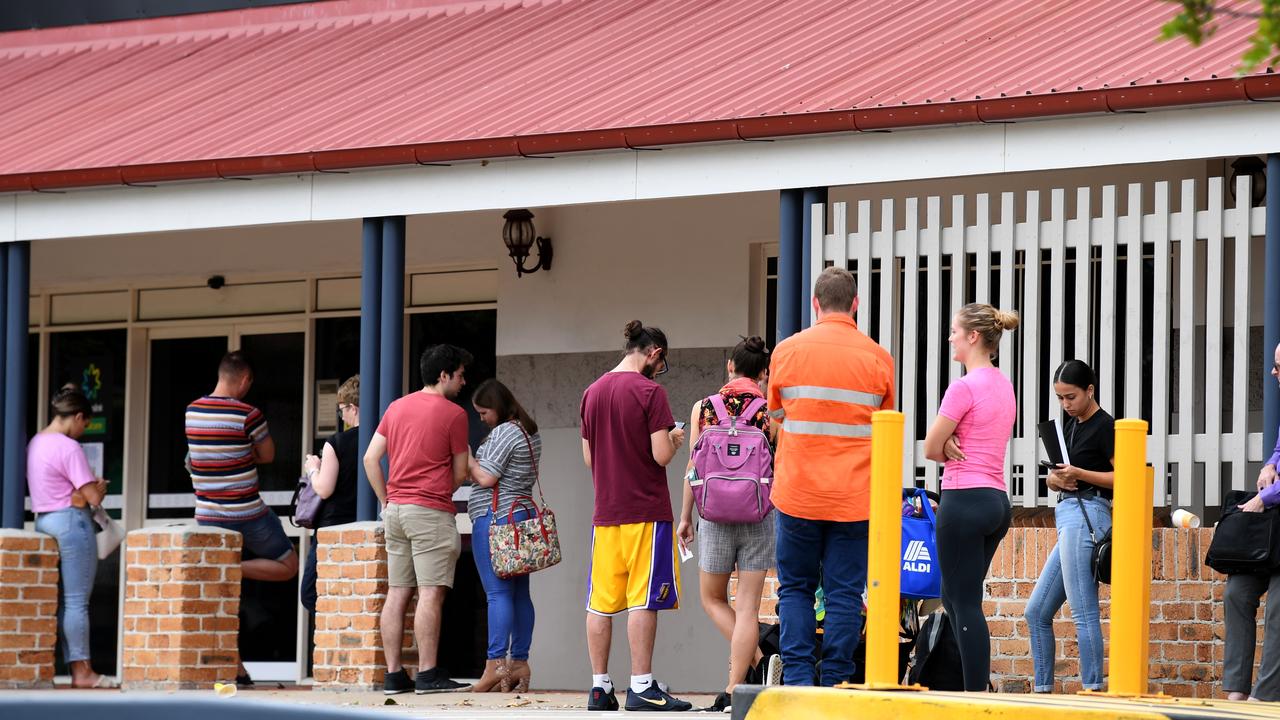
<point>733,467</point>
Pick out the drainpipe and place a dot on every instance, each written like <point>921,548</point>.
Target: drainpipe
<point>1271,306</point>
<point>370,318</point>
<point>790,263</point>
<point>17,285</point>
<point>812,196</point>
<point>391,374</point>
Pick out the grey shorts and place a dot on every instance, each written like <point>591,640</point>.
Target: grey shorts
<point>725,547</point>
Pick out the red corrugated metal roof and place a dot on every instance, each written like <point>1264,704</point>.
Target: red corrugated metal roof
<point>359,83</point>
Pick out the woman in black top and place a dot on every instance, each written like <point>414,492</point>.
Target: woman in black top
<point>333,477</point>
<point>1082,516</point>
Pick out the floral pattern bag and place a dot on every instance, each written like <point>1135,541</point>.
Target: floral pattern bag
<point>524,546</point>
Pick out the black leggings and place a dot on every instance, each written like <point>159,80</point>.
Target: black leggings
<point>968,520</point>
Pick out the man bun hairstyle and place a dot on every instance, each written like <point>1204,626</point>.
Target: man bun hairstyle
<point>642,338</point>
<point>442,358</point>
<point>750,357</point>
<point>1077,373</point>
<point>989,322</point>
<point>835,290</point>
<point>69,402</point>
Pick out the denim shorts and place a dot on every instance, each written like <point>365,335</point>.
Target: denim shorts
<point>263,536</point>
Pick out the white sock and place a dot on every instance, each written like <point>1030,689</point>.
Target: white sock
<point>640,683</point>
<point>603,682</point>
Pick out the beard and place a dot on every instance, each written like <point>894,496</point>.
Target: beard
<point>649,371</point>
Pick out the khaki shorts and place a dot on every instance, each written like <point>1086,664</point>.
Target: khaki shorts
<point>422,546</point>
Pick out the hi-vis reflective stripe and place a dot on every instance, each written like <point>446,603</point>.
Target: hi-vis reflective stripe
<point>818,392</point>
<point>778,414</point>
<point>802,427</point>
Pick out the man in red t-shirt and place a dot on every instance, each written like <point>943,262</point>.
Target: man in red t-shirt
<point>425,435</point>
<point>628,437</point>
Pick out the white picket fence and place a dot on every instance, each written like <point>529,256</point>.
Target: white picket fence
<point>1069,314</point>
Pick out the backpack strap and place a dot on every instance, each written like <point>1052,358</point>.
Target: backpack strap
<point>722,413</point>
<point>752,408</point>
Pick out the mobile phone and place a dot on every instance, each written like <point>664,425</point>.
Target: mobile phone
<point>679,425</point>
<point>1048,465</point>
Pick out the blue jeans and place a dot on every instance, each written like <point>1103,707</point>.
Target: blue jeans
<point>77,565</point>
<point>1068,577</point>
<point>263,536</point>
<point>835,554</point>
<point>510,607</point>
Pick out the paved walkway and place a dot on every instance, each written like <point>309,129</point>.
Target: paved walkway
<point>540,705</point>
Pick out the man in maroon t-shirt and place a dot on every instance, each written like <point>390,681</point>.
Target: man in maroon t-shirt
<point>425,434</point>
<point>628,437</point>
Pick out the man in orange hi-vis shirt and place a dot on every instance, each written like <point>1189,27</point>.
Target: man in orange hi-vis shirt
<point>824,384</point>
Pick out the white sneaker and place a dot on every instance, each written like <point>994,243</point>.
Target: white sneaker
<point>773,676</point>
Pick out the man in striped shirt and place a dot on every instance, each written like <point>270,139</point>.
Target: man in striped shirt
<point>228,439</point>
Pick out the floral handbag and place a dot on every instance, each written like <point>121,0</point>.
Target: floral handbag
<point>525,546</point>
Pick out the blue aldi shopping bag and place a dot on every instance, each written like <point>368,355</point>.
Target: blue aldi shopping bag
<point>921,576</point>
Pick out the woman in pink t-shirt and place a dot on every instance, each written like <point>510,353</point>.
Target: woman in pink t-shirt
<point>970,435</point>
<point>62,489</point>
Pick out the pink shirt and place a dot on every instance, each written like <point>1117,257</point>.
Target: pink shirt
<point>983,406</point>
<point>56,467</point>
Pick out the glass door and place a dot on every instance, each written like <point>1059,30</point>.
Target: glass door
<point>182,366</point>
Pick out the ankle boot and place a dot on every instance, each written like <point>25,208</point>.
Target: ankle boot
<point>494,670</point>
<point>519,674</point>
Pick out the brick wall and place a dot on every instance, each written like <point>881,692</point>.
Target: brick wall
<point>181,608</point>
<point>1187,626</point>
<point>351,586</point>
<point>28,608</point>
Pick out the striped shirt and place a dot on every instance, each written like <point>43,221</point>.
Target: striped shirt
<point>505,455</point>
<point>221,433</point>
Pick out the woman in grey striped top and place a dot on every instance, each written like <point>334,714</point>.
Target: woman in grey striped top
<point>505,463</point>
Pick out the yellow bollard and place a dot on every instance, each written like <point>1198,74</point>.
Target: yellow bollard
<point>884,549</point>
<point>1131,561</point>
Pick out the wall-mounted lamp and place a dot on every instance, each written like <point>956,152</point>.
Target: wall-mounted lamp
<point>520,237</point>
<point>1257,172</point>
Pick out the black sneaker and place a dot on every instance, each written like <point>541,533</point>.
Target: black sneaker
<point>244,681</point>
<point>653,698</point>
<point>601,700</point>
<point>722,704</point>
<point>436,681</point>
<point>397,682</point>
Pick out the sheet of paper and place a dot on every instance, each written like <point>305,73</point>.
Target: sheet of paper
<point>326,407</point>
<point>93,452</point>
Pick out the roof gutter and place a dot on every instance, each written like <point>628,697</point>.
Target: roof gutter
<point>879,119</point>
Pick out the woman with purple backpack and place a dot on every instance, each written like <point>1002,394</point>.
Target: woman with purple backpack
<point>728,479</point>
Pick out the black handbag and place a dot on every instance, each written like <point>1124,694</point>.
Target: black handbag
<point>1245,543</point>
<point>1100,559</point>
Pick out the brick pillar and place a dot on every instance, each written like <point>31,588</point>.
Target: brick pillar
<point>181,608</point>
<point>28,608</point>
<point>351,586</point>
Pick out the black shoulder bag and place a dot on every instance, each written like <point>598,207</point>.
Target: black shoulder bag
<point>1100,559</point>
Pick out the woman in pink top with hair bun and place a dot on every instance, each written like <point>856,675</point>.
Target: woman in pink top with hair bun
<point>970,435</point>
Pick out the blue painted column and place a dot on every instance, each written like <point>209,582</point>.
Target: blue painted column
<point>790,259</point>
<point>17,286</point>
<point>370,321</point>
<point>811,197</point>
<point>4,297</point>
<point>1271,307</point>
<point>391,346</point>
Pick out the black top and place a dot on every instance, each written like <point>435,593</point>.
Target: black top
<point>1091,445</point>
<point>340,507</point>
